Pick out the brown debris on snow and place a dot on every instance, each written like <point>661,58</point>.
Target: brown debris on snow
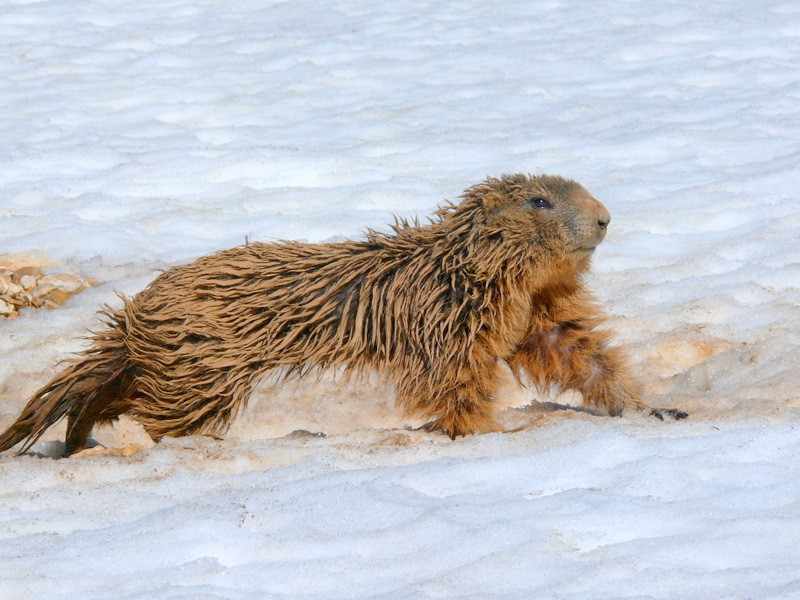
<point>23,284</point>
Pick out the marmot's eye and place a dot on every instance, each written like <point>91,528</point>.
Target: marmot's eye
<point>539,202</point>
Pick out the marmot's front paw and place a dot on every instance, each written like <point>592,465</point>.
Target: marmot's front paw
<point>672,413</point>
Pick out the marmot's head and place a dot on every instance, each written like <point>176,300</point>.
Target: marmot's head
<point>543,208</point>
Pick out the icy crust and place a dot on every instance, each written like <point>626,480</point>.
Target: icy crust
<point>569,511</point>
<point>139,135</point>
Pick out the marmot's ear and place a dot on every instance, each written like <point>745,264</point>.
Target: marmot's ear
<point>492,200</point>
<point>487,195</point>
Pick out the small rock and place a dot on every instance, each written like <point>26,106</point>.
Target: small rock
<point>67,282</point>
<point>28,282</point>
<point>57,297</point>
<point>303,434</point>
<point>4,284</point>
<point>5,308</point>
<point>43,289</point>
<point>23,272</point>
<point>14,289</point>
<point>19,299</point>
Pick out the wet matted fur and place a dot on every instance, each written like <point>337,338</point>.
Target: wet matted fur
<point>433,308</point>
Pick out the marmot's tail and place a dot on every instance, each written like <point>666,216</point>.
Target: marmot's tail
<point>88,391</point>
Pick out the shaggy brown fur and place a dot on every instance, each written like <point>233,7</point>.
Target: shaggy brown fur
<point>432,307</point>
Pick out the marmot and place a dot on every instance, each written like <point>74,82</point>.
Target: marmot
<point>434,308</point>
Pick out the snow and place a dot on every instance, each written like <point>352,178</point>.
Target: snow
<point>139,135</point>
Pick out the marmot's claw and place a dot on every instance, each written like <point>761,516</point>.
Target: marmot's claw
<point>673,413</point>
<point>435,426</point>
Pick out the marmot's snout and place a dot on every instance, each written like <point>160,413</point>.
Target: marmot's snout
<point>592,224</point>
<point>603,218</point>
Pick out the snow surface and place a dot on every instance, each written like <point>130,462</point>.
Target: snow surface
<point>139,135</point>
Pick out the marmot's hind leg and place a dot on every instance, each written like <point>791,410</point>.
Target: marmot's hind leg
<point>104,405</point>
<point>458,409</point>
<point>464,420</point>
<point>78,430</point>
<point>192,399</point>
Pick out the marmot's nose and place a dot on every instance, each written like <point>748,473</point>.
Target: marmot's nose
<point>603,217</point>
